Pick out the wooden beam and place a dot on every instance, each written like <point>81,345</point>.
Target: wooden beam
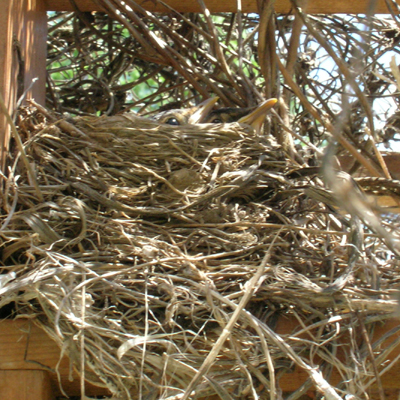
<point>22,55</point>
<point>248,6</point>
<point>26,348</point>
<point>25,385</point>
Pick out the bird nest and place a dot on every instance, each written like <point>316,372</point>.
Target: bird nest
<point>172,253</point>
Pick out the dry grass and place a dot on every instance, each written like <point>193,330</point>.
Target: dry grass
<point>148,238</point>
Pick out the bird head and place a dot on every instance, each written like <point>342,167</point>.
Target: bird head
<point>184,116</point>
<point>253,116</point>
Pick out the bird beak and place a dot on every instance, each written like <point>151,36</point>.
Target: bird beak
<point>202,110</point>
<point>256,118</point>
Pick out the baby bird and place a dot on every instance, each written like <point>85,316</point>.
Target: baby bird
<point>184,116</point>
<point>227,115</point>
<point>253,116</point>
<point>202,114</point>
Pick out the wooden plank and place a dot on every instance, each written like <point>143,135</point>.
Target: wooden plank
<point>25,385</point>
<point>21,337</point>
<point>281,6</point>
<point>22,55</point>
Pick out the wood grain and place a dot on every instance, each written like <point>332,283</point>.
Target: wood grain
<point>25,385</point>
<point>248,6</point>
<point>21,337</point>
<point>23,57</point>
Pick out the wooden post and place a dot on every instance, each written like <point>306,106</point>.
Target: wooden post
<point>22,55</point>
